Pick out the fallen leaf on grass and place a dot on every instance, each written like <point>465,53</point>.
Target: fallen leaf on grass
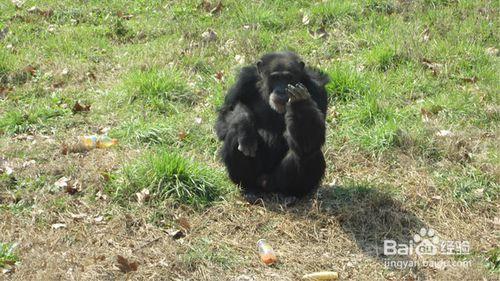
<point>30,70</point>
<point>78,217</point>
<point>120,14</point>
<point>182,135</point>
<point>239,59</point>
<point>305,19</point>
<point>100,195</point>
<point>444,133</point>
<point>426,115</point>
<point>59,225</point>
<point>18,3</point>
<point>45,13</point>
<point>425,34</point>
<point>219,75</point>
<point>319,33</point>
<point>184,223</point>
<point>73,187</point>
<point>175,233</point>
<point>211,8</point>
<point>126,266</point>
<point>492,51</point>
<point>209,35</point>
<point>65,72</point>
<point>4,91</point>
<point>78,107</point>
<point>472,79</point>
<point>28,163</point>
<point>7,170</point>
<point>434,66</point>
<point>143,196</point>
<point>62,182</point>
<point>57,85</point>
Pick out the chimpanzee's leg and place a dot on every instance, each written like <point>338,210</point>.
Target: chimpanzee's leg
<point>239,151</point>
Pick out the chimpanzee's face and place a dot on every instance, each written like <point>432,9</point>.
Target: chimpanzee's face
<point>277,74</point>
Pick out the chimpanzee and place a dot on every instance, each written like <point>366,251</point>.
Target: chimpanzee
<point>272,124</point>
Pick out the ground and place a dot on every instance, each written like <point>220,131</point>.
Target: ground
<point>412,140</point>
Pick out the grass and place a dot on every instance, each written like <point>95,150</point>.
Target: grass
<point>7,254</point>
<point>402,73</point>
<point>169,175</point>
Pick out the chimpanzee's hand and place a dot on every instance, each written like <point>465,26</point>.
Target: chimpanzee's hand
<point>298,92</point>
<point>247,146</point>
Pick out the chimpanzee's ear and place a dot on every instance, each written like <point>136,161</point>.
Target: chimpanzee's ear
<point>302,64</point>
<point>259,67</point>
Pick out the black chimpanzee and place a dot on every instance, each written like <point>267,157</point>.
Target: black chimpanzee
<point>272,123</point>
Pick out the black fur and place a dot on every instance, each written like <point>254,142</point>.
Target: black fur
<point>287,156</point>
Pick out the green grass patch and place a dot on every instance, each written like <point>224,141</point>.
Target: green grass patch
<point>169,176</point>
<point>7,254</point>
<point>16,121</point>
<point>207,251</point>
<point>161,89</point>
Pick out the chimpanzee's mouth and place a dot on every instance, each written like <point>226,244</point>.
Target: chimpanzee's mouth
<point>279,107</point>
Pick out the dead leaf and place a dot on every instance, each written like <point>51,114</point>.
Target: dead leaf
<point>239,59</point>
<point>208,7</point>
<point>182,135</point>
<point>479,192</point>
<point>120,14</point>
<point>319,33</point>
<point>8,170</point>
<point>78,107</point>
<point>59,225</point>
<point>444,133</point>
<point>209,35</point>
<point>28,163</point>
<point>18,3</point>
<point>62,182</point>
<point>78,217</point>
<point>90,75</point>
<point>217,9</point>
<point>126,266</point>
<point>425,34</point>
<point>73,187</point>
<point>219,75</point>
<point>492,51</point>
<point>175,233</point>
<point>305,19</point>
<point>35,10</point>
<point>184,223</point>
<point>100,195</point>
<point>143,196</point>
<point>57,84</point>
<point>435,67</point>
<point>472,79</point>
<point>30,70</point>
<point>426,115</point>
<point>3,92</point>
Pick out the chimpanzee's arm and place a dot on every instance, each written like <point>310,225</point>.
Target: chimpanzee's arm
<point>305,123</point>
<point>239,122</point>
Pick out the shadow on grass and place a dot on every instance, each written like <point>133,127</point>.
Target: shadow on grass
<point>368,214</point>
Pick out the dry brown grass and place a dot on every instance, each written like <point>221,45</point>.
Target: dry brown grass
<point>340,228</point>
